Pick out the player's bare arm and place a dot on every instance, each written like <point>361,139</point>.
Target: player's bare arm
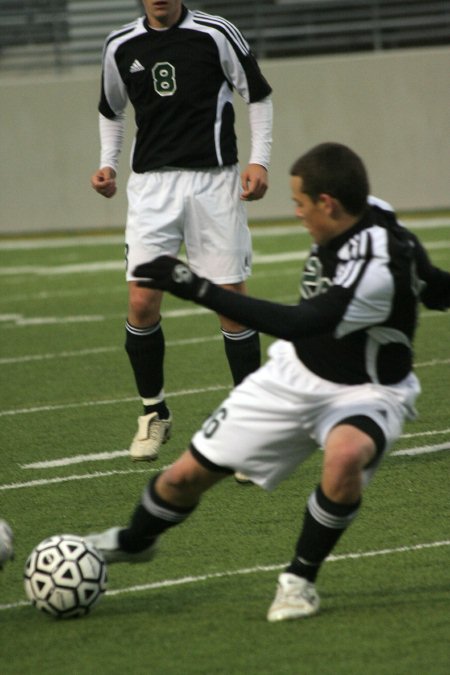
<point>254,181</point>
<point>104,182</point>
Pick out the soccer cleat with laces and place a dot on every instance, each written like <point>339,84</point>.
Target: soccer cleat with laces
<point>107,543</point>
<point>295,598</point>
<point>151,434</point>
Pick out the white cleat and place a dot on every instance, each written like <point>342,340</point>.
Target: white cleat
<point>295,598</point>
<point>6,543</point>
<point>242,478</point>
<point>107,543</point>
<point>151,434</point>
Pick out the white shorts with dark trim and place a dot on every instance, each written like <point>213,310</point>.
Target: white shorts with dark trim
<point>201,209</point>
<point>280,414</point>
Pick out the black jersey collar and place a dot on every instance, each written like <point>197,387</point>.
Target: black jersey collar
<point>363,223</point>
<point>183,14</point>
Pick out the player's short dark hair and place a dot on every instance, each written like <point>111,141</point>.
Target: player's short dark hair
<point>334,169</point>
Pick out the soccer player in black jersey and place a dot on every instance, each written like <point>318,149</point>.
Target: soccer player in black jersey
<point>339,377</point>
<point>178,68</point>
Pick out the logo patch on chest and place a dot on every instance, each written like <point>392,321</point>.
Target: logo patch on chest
<point>136,66</point>
<point>313,281</point>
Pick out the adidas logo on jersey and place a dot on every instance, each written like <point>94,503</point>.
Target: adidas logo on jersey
<point>136,66</point>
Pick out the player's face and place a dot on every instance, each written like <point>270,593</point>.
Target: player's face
<point>316,216</point>
<point>162,13</point>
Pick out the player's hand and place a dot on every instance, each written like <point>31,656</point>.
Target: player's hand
<point>170,274</point>
<point>104,182</point>
<point>6,543</point>
<point>254,181</point>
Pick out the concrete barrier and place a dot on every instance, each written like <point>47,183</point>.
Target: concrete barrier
<point>391,107</point>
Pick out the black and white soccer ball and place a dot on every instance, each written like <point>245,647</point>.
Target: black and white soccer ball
<point>65,576</point>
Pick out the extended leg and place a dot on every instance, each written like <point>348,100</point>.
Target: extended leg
<point>167,500</point>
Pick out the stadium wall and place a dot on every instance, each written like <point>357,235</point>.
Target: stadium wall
<point>391,107</point>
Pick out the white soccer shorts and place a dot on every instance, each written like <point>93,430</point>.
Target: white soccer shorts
<point>280,414</point>
<point>201,208</point>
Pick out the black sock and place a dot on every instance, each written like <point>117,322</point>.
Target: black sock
<point>160,408</point>
<point>243,352</point>
<point>324,523</point>
<point>145,348</point>
<point>152,517</point>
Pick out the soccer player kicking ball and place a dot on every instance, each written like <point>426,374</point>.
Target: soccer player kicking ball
<point>339,377</point>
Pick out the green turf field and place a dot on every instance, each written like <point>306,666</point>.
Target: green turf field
<point>67,415</point>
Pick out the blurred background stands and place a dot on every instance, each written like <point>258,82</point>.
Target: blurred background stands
<point>59,34</point>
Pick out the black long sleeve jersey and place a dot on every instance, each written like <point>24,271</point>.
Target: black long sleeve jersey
<point>180,82</point>
<point>357,315</point>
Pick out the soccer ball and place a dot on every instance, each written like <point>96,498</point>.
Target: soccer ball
<point>65,576</point>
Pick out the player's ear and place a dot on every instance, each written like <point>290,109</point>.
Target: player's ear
<point>328,203</point>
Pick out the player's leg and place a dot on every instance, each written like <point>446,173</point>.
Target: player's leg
<point>243,352</point>
<point>256,429</point>
<point>154,211</point>
<point>218,247</point>
<point>145,346</point>
<point>335,502</point>
<point>242,345</point>
<point>168,500</point>
<point>356,426</point>
<point>330,509</point>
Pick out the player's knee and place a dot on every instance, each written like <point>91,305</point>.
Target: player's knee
<point>348,449</point>
<point>178,480</point>
<point>345,459</point>
<point>342,477</point>
<point>144,307</point>
<point>184,481</point>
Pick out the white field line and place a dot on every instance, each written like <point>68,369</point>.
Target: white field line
<point>102,350</point>
<point>127,399</point>
<point>114,454</point>
<point>271,568</point>
<point>117,265</point>
<point>60,242</point>
<point>40,482</point>
<point>19,320</point>
<point>117,287</point>
<point>425,449</point>
<point>118,239</point>
<point>104,474</point>
<point>76,353</point>
<point>182,581</point>
<point>426,433</point>
<point>432,362</point>
<point>76,459</point>
<point>258,231</point>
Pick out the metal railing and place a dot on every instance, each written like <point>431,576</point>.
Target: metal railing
<point>59,34</point>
